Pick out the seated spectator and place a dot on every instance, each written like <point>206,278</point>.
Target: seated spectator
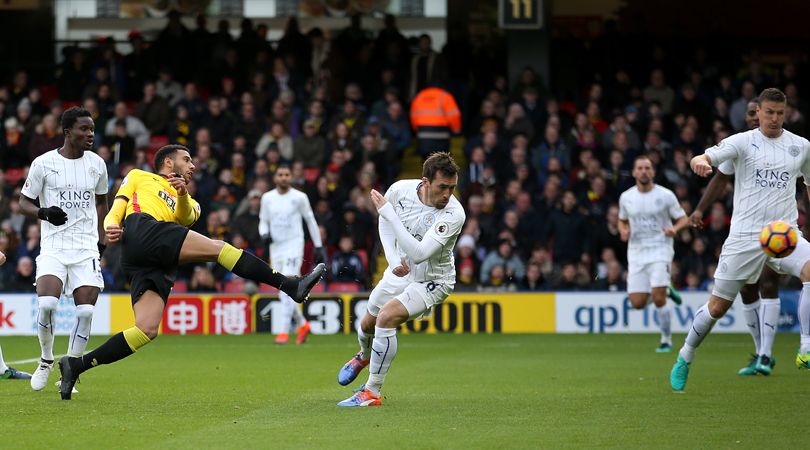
<point>181,129</point>
<point>120,143</point>
<point>25,276</point>
<point>47,136</point>
<point>310,148</point>
<point>533,281</point>
<point>202,280</point>
<point>153,110</point>
<point>134,126</point>
<point>513,267</point>
<point>498,280</point>
<point>466,255</point>
<point>614,279</point>
<point>346,264</point>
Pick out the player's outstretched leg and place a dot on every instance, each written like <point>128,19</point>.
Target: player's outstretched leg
<point>10,373</point>
<point>198,248</point>
<point>702,324</point>
<point>383,351</point>
<point>148,312</point>
<point>358,362</point>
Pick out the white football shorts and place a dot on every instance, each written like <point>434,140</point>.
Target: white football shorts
<point>75,268</point>
<point>417,297</point>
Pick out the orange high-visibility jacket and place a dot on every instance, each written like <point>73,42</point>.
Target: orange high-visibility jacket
<point>434,107</point>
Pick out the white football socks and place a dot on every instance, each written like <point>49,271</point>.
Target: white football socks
<point>702,324</point>
<point>383,352</point>
<point>665,320</point>
<point>80,334</point>
<point>45,323</point>
<point>3,366</point>
<point>752,321</point>
<point>286,312</point>
<point>804,317</point>
<point>365,343</point>
<point>770,323</point>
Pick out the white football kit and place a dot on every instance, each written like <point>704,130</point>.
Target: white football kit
<point>69,251</point>
<point>649,250</point>
<point>765,172</point>
<point>431,281</point>
<point>280,215</point>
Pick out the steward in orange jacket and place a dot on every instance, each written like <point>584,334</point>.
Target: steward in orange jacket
<point>434,116</point>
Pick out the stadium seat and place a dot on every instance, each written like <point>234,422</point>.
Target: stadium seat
<point>180,286</point>
<point>312,174</point>
<point>14,175</point>
<point>319,288</point>
<point>70,104</point>
<point>49,93</point>
<point>267,289</point>
<point>234,286</point>
<point>347,286</point>
<point>364,258</point>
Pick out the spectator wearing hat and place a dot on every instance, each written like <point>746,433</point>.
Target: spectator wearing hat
<point>246,222</point>
<point>467,263</point>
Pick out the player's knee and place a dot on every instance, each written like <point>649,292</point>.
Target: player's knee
<point>749,294</point>
<point>387,319</point>
<point>718,309</point>
<point>639,301</point>
<point>150,331</point>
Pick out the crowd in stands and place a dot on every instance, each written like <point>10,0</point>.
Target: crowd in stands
<point>542,167</point>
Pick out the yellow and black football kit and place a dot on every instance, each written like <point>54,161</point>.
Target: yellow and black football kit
<point>155,221</point>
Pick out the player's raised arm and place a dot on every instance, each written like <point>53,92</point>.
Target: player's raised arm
<point>716,187</point>
<point>701,165</point>
<point>418,251</point>
<point>188,210</point>
<point>112,222</point>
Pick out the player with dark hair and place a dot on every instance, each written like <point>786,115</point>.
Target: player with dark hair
<point>761,304</point>
<point>156,210</point>
<point>71,185</point>
<point>767,162</point>
<point>419,223</point>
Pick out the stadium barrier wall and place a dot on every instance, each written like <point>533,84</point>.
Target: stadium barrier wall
<point>561,312</point>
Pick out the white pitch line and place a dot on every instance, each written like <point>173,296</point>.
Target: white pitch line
<point>26,361</point>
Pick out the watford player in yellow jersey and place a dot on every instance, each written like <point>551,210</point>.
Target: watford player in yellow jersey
<point>156,209</point>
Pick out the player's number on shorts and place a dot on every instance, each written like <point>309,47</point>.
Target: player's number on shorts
<point>431,286</point>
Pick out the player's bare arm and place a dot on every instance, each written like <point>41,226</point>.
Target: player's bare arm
<point>53,214</point>
<point>701,165</point>
<point>682,223</point>
<point>716,187</point>
<point>624,229</point>
<point>101,209</point>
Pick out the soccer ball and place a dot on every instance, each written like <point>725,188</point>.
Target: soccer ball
<point>778,239</point>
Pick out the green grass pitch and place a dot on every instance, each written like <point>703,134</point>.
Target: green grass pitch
<point>444,391</point>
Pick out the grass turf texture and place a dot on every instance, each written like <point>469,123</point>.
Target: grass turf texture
<point>459,391</point>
